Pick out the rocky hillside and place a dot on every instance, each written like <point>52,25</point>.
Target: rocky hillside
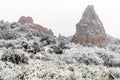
<point>29,54</point>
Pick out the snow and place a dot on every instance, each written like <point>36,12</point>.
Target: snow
<point>77,61</point>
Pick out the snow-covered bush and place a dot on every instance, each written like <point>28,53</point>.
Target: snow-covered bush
<point>8,35</point>
<point>12,56</point>
<point>63,39</point>
<point>24,28</point>
<point>113,40</point>
<point>4,25</point>
<point>57,50</point>
<point>36,47</point>
<point>14,25</point>
<point>47,40</point>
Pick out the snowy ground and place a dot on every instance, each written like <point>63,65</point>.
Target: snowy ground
<point>26,54</point>
<point>46,66</point>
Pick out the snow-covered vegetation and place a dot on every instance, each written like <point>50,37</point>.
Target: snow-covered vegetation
<point>26,54</point>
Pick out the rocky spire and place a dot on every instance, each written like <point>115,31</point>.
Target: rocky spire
<point>90,13</point>
<point>90,29</point>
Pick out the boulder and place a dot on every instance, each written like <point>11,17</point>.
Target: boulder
<point>90,29</point>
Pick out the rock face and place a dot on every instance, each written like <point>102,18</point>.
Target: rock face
<point>90,29</point>
<point>29,20</point>
<point>24,20</point>
<point>42,29</point>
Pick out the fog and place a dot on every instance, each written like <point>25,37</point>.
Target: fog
<point>62,15</point>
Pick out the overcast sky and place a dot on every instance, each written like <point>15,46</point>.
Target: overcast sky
<point>62,15</point>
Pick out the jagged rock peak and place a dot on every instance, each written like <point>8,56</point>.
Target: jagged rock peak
<point>90,29</point>
<point>90,13</point>
<point>90,16</point>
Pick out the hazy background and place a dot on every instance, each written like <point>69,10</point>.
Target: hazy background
<point>62,15</point>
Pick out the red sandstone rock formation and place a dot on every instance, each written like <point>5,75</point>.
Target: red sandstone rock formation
<point>42,29</point>
<point>24,20</point>
<point>90,29</point>
<point>29,20</point>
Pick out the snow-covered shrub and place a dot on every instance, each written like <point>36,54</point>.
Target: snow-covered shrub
<point>9,45</point>
<point>4,75</point>
<point>64,39</point>
<point>80,54</point>
<point>14,25</point>
<point>111,59</point>
<point>13,57</point>
<point>50,51</point>
<point>112,40</point>
<point>29,36</point>
<point>88,45</point>
<point>23,36</point>
<point>113,47</point>
<point>4,25</point>
<point>25,45</point>
<point>36,47</point>
<point>63,45</point>
<point>89,59</point>
<point>21,76</point>
<point>36,33</point>
<point>72,77</point>
<point>47,40</point>
<point>114,62</point>
<point>8,35</point>
<point>57,49</point>
<point>24,28</point>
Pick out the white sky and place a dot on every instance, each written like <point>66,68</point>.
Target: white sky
<point>62,15</point>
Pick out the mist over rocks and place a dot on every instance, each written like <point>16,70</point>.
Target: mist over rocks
<point>28,51</point>
<point>90,29</point>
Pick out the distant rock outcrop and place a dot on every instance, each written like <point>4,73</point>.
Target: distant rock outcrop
<point>90,29</point>
<point>24,20</point>
<point>29,20</point>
